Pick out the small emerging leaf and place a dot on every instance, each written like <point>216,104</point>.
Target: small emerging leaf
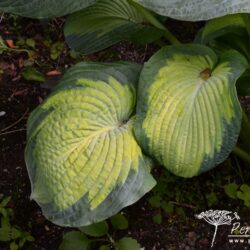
<point>8,233</point>
<point>96,230</point>
<point>127,243</point>
<point>30,238</point>
<point>15,233</point>
<point>157,218</point>
<point>5,234</point>
<point>104,247</point>
<point>155,201</point>
<point>13,246</point>
<point>211,199</point>
<point>74,241</point>
<point>31,74</point>
<point>31,42</point>
<point>244,194</point>
<point>3,46</point>
<point>5,201</point>
<point>231,190</point>
<point>119,222</point>
<point>56,50</point>
<point>167,207</point>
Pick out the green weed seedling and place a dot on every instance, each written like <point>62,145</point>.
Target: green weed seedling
<point>5,48</point>
<point>88,237</point>
<point>242,192</point>
<point>11,234</point>
<point>56,50</point>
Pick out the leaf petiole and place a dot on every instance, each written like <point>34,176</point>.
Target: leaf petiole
<point>242,154</point>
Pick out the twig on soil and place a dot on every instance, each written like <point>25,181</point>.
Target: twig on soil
<point>13,131</point>
<point>1,18</point>
<point>111,239</point>
<point>16,122</point>
<point>58,61</point>
<point>182,204</point>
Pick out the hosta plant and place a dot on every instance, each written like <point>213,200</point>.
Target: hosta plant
<point>83,159</point>
<point>87,143</point>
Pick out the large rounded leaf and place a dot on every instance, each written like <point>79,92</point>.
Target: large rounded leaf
<point>195,10</point>
<point>43,8</point>
<point>188,114</point>
<point>106,23</point>
<point>83,160</point>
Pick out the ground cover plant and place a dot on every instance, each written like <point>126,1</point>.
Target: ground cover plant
<point>96,144</point>
<point>11,233</point>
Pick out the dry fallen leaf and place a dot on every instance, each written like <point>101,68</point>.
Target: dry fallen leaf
<point>10,44</point>
<point>54,73</point>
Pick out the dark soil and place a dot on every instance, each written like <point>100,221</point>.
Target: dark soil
<point>19,97</point>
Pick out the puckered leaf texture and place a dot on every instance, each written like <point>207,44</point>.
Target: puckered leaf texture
<point>188,113</point>
<point>195,10</point>
<point>83,160</point>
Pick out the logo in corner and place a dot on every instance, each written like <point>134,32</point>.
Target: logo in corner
<point>218,218</point>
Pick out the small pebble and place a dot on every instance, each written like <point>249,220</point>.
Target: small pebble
<point>192,235</point>
<point>204,242</point>
<point>2,113</point>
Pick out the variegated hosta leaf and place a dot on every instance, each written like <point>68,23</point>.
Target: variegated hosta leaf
<point>188,114</point>
<point>231,24</point>
<point>83,160</point>
<point>43,8</point>
<point>106,23</point>
<point>195,10</point>
<point>225,33</point>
